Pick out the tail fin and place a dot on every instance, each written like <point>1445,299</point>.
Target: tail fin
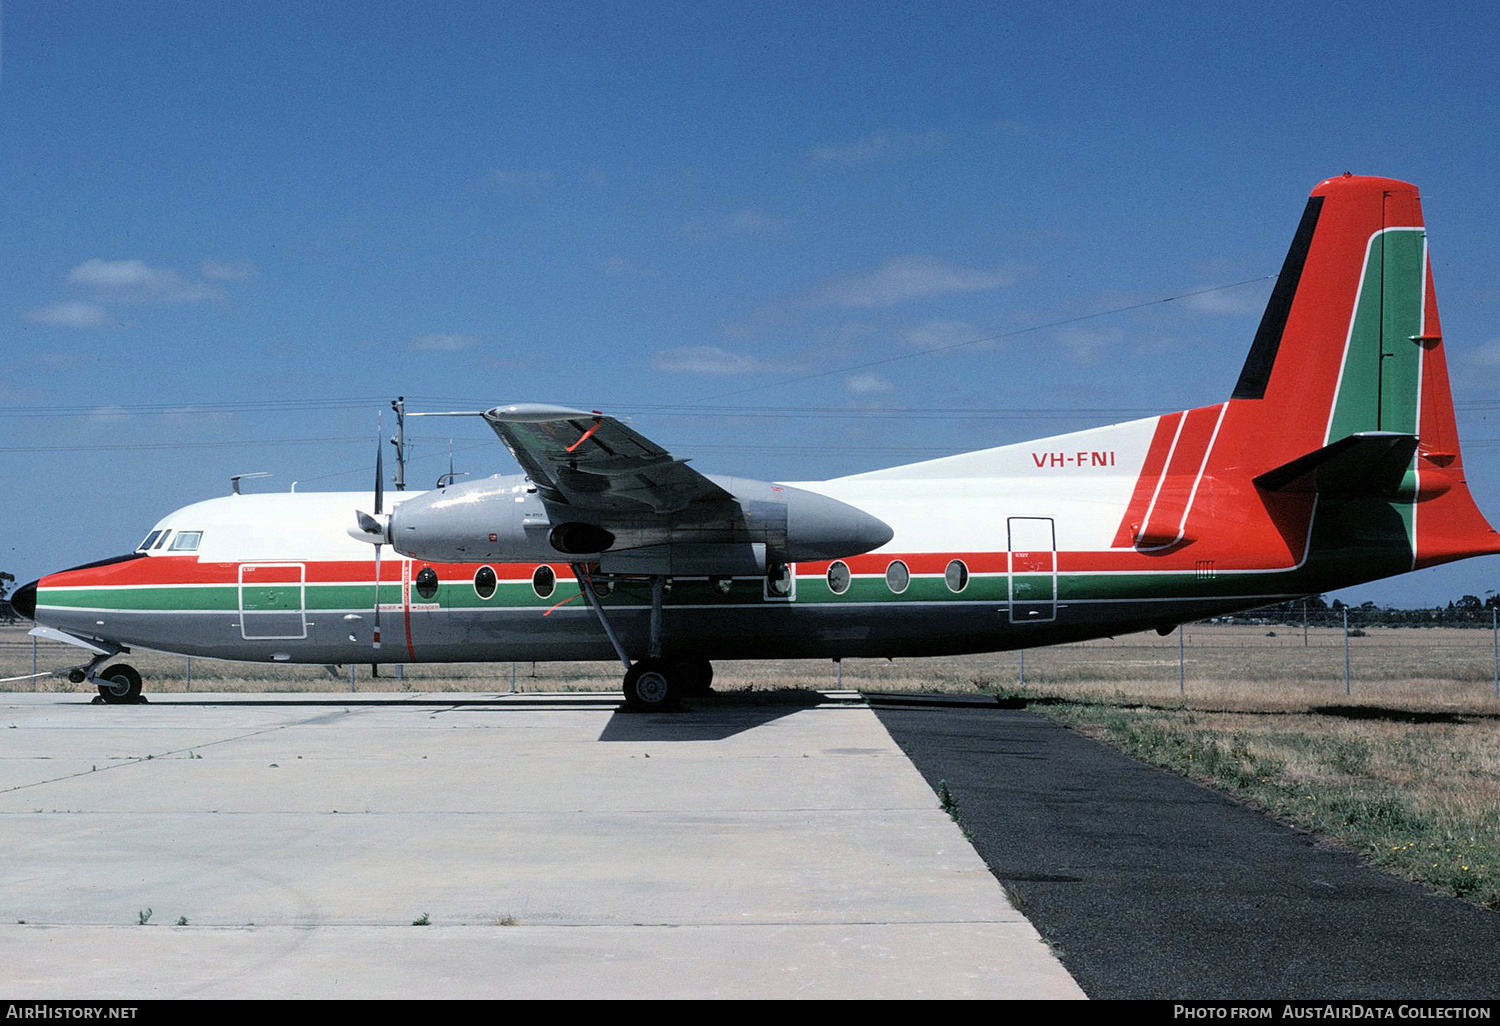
<point>1350,347</point>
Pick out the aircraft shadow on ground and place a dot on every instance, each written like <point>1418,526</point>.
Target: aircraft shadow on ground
<point>712,717</point>
<point>1375,712</point>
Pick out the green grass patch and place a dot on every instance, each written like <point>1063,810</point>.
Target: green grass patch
<point>1414,799</point>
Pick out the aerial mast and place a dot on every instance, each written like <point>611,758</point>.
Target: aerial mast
<point>399,405</point>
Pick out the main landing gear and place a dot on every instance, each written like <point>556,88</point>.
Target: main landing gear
<point>655,682</point>
<point>652,684</point>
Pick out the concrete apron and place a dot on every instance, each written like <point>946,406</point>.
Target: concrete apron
<point>555,847</point>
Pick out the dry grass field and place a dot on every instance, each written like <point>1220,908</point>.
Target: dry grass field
<point>1404,767</point>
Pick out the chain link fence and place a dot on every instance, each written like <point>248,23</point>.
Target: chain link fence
<point>1298,654</point>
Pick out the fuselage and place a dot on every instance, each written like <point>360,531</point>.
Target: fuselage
<point>1084,535</point>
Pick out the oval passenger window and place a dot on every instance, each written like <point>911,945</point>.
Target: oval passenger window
<point>897,577</point>
<point>427,582</point>
<point>484,582</point>
<point>838,577</point>
<point>543,581</point>
<point>956,576</point>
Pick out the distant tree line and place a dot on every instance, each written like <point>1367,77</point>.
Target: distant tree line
<point>1466,611</point>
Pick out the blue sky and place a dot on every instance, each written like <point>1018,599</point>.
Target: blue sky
<point>232,232</point>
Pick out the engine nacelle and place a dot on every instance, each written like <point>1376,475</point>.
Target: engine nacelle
<point>504,519</point>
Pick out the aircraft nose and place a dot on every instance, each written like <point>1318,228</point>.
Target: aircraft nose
<point>23,600</point>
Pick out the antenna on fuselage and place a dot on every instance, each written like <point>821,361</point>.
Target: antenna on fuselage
<point>447,479</point>
<point>235,479</point>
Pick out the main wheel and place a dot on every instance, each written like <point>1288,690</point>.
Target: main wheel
<point>652,684</point>
<point>696,675</point>
<point>119,684</point>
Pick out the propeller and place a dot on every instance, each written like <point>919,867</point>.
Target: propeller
<point>374,529</point>
<point>379,509</point>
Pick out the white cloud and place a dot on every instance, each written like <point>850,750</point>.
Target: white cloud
<point>237,270</point>
<point>1087,343</point>
<point>940,334</point>
<point>744,222</point>
<point>868,384</point>
<point>1487,355</point>
<point>72,314</point>
<point>880,146</point>
<point>108,414</point>
<point>703,360</point>
<point>909,277</point>
<point>440,342</point>
<point>1224,302</point>
<point>133,281</point>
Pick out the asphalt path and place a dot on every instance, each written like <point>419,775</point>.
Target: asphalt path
<point>1148,885</point>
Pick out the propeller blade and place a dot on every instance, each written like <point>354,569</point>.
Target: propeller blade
<point>376,636</point>
<point>375,530</point>
<point>379,478</point>
<point>380,529</point>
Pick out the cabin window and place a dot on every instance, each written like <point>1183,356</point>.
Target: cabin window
<point>484,582</point>
<point>427,583</point>
<point>838,577</point>
<point>956,576</point>
<point>186,541</point>
<point>150,540</point>
<point>544,581</point>
<point>779,581</point>
<point>897,577</point>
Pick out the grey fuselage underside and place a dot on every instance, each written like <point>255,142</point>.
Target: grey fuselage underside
<point>754,631</point>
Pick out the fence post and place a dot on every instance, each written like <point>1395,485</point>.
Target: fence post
<point>188,684</point>
<point>1495,642</point>
<point>1346,650</point>
<point>1181,665</point>
<point>351,677</point>
<point>1022,653</point>
<point>513,676</point>
<point>33,662</point>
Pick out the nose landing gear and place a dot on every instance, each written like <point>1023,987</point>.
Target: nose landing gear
<point>119,684</point>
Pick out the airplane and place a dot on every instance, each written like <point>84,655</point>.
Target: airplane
<point>1335,461</point>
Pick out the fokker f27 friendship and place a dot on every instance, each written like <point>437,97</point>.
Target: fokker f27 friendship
<point>1335,461</point>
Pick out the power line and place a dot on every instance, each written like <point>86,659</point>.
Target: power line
<point>987,338</point>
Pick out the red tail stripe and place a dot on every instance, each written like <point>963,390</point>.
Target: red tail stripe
<point>1169,512</point>
<point>1145,485</point>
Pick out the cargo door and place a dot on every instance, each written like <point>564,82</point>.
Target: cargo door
<point>273,601</point>
<point>1033,570</point>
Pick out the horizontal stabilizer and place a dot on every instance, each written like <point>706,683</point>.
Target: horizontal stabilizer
<point>1367,463</point>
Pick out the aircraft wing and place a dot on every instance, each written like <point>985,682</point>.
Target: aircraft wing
<point>593,462</point>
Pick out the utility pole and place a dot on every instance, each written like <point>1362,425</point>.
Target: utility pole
<point>399,405</point>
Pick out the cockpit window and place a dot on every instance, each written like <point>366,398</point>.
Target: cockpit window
<point>162,540</point>
<point>186,541</point>
<point>150,540</point>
